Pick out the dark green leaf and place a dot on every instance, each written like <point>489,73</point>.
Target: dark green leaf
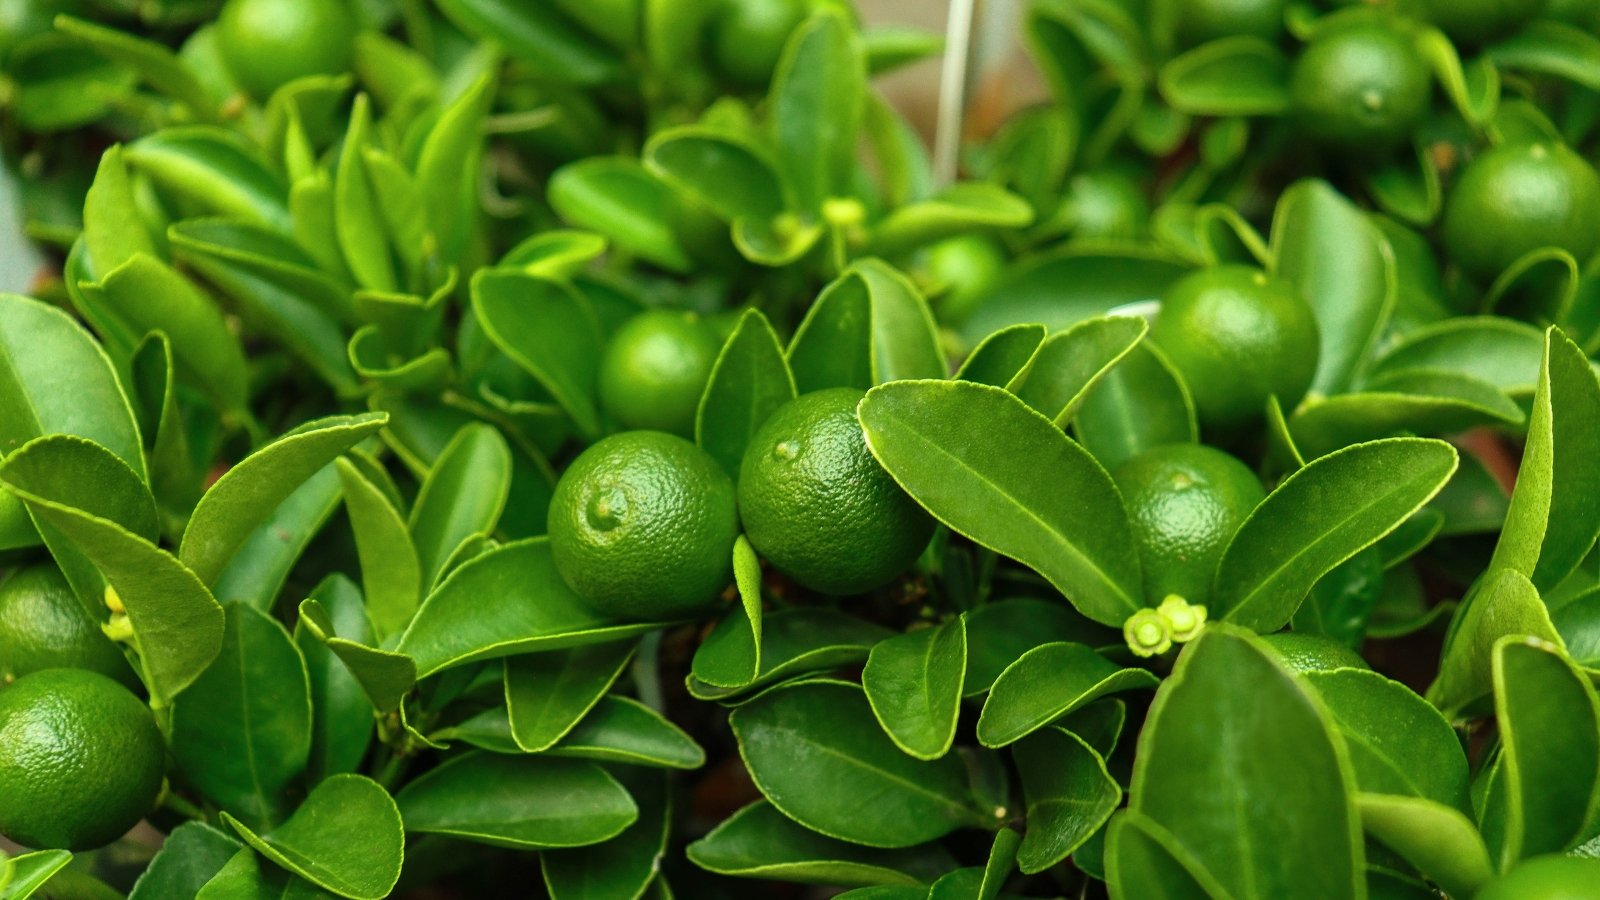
<point>1406,402</point>
<point>814,750</point>
<point>1043,501</point>
<point>1145,862</point>
<point>1069,794</point>
<point>315,843</point>
<point>510,600</point>
<point>624,866</point>
<point>913,683</point>
<point>549,330</point>
<point>549,693</point>
<point>1045,684</point>
<point>816,107</point>
<point>1398,743</point>
<point>749,380</point>
<point>1319,517</point>
<point>192,854</point>
<point>799,640</point>
<point>521,802</point>
<point>1070,363</point>
<point>242,732</point>
<point>761,842</point>
<point>623,730</point>
<point>730,656</point>
<point>1238,764</point>
<point>1141,403</point>
<point>341,720</point>
<point>1501,352</point>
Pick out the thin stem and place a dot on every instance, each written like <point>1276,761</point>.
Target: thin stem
<point>181,806</point>
<point>952,92</point>
<point>394,768</point>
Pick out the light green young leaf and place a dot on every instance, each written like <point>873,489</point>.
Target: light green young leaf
<point>258,570</point>
<point>113,230</point>
<point>818,93</point>
<point>749,380</point>
<point>1048,682</point>
<point>618,197</point>
<point>730,656</point>
<point>549,330</point>
<point>463,495</point>
<point>1504,603</point>
<point>1140,403</point>
<point>1439,840</point>
<point>1070,363</point>
<point>315,844</point>
<point>520,802</point>
<point>384,676</point>
<point>341,715</point>
<point>357,218</point>
<point>914,683</point>
<point>547,694</point>
<point>28,872</point>
<point>1004,359</point>
<point>391,575</point>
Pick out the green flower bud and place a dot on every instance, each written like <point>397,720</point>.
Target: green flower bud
<point>1147,633</point>
<point>1184,620</point>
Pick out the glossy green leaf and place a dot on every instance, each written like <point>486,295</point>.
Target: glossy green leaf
<point>1141,403</point>
<point>540,35</point>
<point>868,327</point>
<point>1412,401</point>
<point>448,166</point>
<point>383,675</point>
<point>1145,862</point>
<point>242,732</point>
<point>1238,763</point>
<point>192,854</point>
<point>315,844</point>
<point>212,170</point>
<point>1061,288</point>
<point>1555,510</point>
<point>999,633</point>
<point>1069,793</point>
<point>549,693</point>
<point>357,218</point>
<point>733,177</point>
<point>1398,743</point>
<point>622,730</point>
<point>749,380</point>
<point>730,656</point>
<point>1319,517</point>
<point>1043,501</point>
<point>31,871</point>
<point>258,570</point>
<point>618,197</point>
<point>1439,840</point>
<point>816,104</point>
<point>248,493</point>
<point>550,331</point>
<point>1504,603</point>
<point>246,875</point>
<point>758,841</point>
<point>463,495</point>
<point>113,230</point>
<point>391,575</point>
<point>1328,249</point>
<point>1003,359</point>
<point>177,625</point>
<point>1070,363</point>
<point>341,721</point>
<point>798,736</point>
<point>1550,785</point>
<point>1048,682</point>
<point>1501,352</point>
<point>521,802</point>
<point>145,294</point>
<point>959,209</point>
<point>914,684</point>
<point>624,866</point>
<point>799,640</point>
<point>507,601</point>
<point>1233,76</point>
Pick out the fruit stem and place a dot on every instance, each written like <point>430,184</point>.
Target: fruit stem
<point>393,769</point>
<point>181,806</point>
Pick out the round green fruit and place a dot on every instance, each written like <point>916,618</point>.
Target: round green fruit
<point>43,626</point>
<point>81,760</point>
<point>266,44</point>
<point>818,506</point>
<point>655,369</point>
<point>642,526</point>
<point>1512,199</point>
<point>748,36</point>
<point>1237,335</point>
<point>1185,502</point>
<point>1546,878</point>
<point>1361,88</point>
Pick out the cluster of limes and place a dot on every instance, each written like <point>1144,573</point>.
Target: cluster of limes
<point>643,522</point>
<point>81,757</point>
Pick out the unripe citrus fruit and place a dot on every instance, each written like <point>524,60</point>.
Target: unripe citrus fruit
<point>1513,199</point>
<point>818,506</point>
<point>1360,88</point>
<point>642,525</point>
<point>748,36</point>
<point>266,44</point>
<point>1185,502</point>
<point>43,626</point>
<point>1237,335</point>
<point>1546,878</point>
<point>654,370</point>
<point>81,760</point>
<point>1301,652</point>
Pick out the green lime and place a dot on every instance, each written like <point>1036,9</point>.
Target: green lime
<point>655,369</point>
<point>959,270</point>
<point>748,36</point>
<point>80,760</point>
<point>1185,502</point>
<point>1199,21</point>
<point>1475,22</point>
<point>266,44</point>
<point>1360,88</point>
<point>1105,203</point>
<point>1302,652</point>
<point>1546,878</point>
<point>1237,335</point>
<point>43,626</point>
<point>1513,199</point>
<point>642,525</point>
<point>819,507</point>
